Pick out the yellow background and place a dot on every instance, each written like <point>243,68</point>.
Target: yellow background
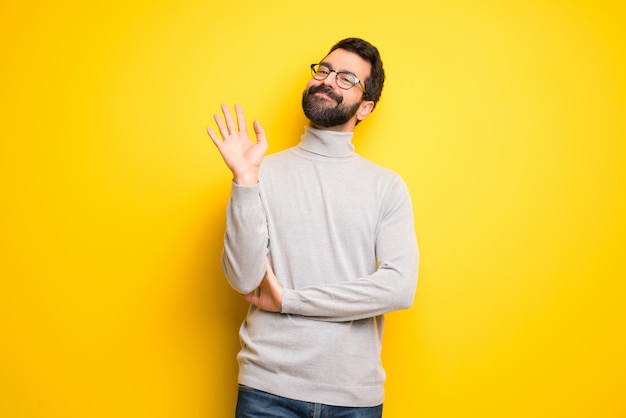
<point>507,119</point>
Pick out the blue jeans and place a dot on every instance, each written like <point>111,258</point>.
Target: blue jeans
<point>253,403</point>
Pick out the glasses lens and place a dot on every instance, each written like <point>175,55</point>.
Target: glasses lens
<point>346,80</point>
<point>320,72</point>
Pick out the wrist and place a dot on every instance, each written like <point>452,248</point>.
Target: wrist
<point>246,179</point>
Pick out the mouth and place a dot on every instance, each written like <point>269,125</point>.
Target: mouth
<point>325,94</point>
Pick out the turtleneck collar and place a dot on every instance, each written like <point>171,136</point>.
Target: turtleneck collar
<point>327,143</point>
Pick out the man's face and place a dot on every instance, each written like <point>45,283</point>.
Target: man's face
<point>328,106</point>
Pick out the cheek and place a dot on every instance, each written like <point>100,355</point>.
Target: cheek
<point>349,97</point>
<point>311,83</point>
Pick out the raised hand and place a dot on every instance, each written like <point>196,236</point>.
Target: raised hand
<point>242,156</point>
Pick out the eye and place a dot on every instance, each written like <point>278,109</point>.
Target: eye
<point>347,78</point>
<point>323,70</point>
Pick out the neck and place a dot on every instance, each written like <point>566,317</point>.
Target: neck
<point>327,142</point>
<point>346,127</point>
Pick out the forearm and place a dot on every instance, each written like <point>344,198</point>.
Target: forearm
<point>246,239</point>
<point>388,289</point>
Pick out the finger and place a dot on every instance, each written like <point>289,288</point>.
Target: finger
<point>221,126</point>
<point>214,137</point>
<point>251,297</point>
<point>241,120</point>
<point>259,132</point>
<point>230,124</point>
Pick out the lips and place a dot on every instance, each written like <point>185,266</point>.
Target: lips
<point>322,94</point>
<point>327,92</point>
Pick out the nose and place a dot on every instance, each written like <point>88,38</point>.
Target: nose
<point>331,80</point>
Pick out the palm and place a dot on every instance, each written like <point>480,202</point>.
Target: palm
<point>239,151</point>
<point>242,156</point>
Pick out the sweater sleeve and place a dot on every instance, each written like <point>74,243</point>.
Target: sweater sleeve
<point>390,288</point>
<point>246,239</point>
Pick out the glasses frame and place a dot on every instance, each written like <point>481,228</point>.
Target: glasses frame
<point>315,76</point>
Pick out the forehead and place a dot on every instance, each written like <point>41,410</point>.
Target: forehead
<point>342,60</point>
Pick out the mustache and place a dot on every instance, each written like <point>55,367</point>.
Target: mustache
<point>327,91</point>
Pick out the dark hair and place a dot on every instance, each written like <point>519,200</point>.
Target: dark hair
<point>373,83</point>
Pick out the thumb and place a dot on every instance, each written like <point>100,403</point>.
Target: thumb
<point>259,132</point>
<point>249,297</point>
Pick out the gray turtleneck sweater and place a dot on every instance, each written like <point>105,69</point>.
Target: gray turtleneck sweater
<point>339,233</point>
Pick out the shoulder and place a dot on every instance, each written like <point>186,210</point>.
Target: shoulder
<point>379,171</point>
<point>278,159</point>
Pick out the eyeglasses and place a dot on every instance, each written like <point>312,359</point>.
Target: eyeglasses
<point>344,79</point>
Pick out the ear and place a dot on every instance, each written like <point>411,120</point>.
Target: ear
<point>365,109</point>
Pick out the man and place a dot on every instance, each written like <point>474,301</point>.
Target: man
<point>321,243</point>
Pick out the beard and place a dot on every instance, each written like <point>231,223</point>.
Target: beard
<point>321,112</point>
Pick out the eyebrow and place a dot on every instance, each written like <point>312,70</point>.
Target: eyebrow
<point>344,72</point>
